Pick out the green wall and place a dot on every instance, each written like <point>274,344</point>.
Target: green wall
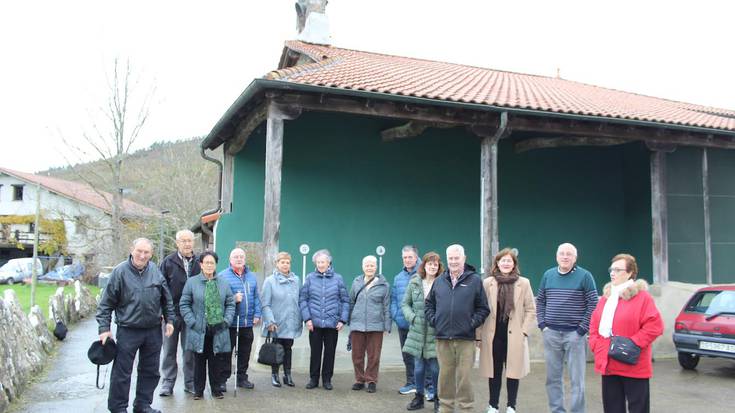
<point>346,190</point>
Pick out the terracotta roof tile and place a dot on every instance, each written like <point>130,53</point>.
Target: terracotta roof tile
<point>351,69</point>
<point>80,192</point>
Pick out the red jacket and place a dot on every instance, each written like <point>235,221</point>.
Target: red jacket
<point>636,317</point>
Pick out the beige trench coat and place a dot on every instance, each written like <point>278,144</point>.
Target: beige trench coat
<point>522,319</point>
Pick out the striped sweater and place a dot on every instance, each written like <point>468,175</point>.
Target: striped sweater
<point>565,302</point>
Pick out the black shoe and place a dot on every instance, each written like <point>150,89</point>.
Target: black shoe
<point>147,409</point>
<point>358,386</point>
<point>327,385</point>
<point>222,388</point>
<point>371,388</point>
<point>288,380</point>
<point>165,392</point>
<point>274,380</point>
<point>218,395</point>
<point>198,396</point>
<point>312,384</point>
<point>417,402</point>
<point>245,384</point>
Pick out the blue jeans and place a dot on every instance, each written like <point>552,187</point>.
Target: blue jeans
<point>420,365</point>
<point>562,347</point>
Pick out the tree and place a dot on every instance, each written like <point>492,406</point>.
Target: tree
<point>124,115</point>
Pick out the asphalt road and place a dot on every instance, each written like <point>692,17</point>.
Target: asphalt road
<point>67,386</point>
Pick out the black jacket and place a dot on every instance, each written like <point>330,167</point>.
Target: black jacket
<point>455,312</point>
<point>172,268</point>
<point>139,298</point>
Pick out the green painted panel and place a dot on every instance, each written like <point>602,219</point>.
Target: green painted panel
<point>723,263</point>
<point>684,171</point>
<point>686,219</point>
<point>721,165</point>
<point>686,262</point>
<point>722,219</point>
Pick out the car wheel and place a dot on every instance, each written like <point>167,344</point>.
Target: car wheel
<point>11,281</point>
<point>688,361</point>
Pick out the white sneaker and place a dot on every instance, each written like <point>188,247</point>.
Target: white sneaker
<point>491,409</point>
<point>510,410</point>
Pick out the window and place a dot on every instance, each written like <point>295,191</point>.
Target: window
<point>711,302</point>
<point>17,192</point>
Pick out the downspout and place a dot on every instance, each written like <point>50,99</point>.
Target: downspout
<point>205,229</point>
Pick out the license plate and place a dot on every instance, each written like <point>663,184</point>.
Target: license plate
<point>707,345</point>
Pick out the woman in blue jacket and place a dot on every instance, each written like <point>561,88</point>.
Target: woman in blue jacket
<point>281,314</point>
<point>325,308</point>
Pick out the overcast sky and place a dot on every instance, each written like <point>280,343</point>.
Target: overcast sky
<point>200,56</point>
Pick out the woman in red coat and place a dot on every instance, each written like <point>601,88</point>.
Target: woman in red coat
<point>626,309</point>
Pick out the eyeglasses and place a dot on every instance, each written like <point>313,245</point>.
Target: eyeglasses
<point>612,270</point>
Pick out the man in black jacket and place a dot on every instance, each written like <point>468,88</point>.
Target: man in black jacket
<point>455,307</point>
<point>139,296</point>
<point>176,269</point>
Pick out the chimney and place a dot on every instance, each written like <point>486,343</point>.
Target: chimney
<point>311,22</point>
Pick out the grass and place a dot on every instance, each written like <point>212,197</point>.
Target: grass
<point>43,292</point>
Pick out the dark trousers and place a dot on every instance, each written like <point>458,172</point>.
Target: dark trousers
<point>407,358</point>
<point>244,345</point>
<point>322,339</point>
<point>370,344</point>
<point>500,355</point>
<point>287,344</point>
<point>204,362</point>
<point>147,343</point>
<point>616,390</point>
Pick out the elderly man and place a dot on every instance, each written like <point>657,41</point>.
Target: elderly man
<point>176,269</point>
<point>455,307</point>
<point>244,285</point>
<point>410,256</point>
<point>567,295</point>
<point>139,296</point>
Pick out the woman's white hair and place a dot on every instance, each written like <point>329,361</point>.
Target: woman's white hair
<point>322,252</point>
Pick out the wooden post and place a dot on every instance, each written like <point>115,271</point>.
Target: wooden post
<point>272,198</point>
<point>659,217</point>
<point>489,193</point>
<point>707,233</point>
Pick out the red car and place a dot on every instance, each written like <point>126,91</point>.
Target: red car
<point>706,326</point>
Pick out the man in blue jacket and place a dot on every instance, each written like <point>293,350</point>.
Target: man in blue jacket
<point>455,307</point>
<point>410,256</point>
<point>244,285</point>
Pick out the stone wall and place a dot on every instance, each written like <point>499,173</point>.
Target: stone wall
<point>25,341</point>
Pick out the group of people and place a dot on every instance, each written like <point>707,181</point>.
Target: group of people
<point>442,315</point>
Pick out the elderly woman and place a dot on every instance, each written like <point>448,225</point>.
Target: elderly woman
<point>281,314</point>
<point>369,320</point>
<point>325,308</point>
<point>504,335</point>
<point>626,309</point>
<point>421,339</point>
<point>207,307</point>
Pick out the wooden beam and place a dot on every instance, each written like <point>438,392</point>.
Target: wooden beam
<point>246,126</point>
<point>489,193</point>
<point>273,171</point>
<point>411,129</point>
<point>228,179</point>
<point>707,229</point>
<point>659,218</point>
<point>565,141</point>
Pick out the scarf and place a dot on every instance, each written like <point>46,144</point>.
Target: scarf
<point>506,287</point>
<point>213,303</point>
<point>608,313</point>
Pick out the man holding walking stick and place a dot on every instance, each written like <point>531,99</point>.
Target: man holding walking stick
<point>244,285</point>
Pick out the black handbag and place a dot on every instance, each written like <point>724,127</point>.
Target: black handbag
<point>624,350</point>
<point>271,353</point>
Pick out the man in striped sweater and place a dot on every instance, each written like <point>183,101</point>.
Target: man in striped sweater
<point>566,298</point>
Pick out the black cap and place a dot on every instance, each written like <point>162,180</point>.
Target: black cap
<point>102,354</point>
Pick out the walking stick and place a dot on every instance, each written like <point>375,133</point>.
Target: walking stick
<point>237,349</point>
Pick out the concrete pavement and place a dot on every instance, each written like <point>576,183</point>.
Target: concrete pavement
<point>67,386</point>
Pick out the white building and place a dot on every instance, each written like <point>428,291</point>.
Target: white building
<point>84,211</point>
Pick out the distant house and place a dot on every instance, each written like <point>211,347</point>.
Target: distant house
<point>76,218</point>
<point>347,150</point>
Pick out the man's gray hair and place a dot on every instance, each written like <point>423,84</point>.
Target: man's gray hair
<point>183,232</point>
<point>567,245</point>
<point>322,252</point>
<point>456,247</point>
<point>369,258</point>
<point>410,248</point>
<point>142,239</point>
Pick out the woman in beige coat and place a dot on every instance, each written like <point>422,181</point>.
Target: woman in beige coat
<point>504,335</point>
